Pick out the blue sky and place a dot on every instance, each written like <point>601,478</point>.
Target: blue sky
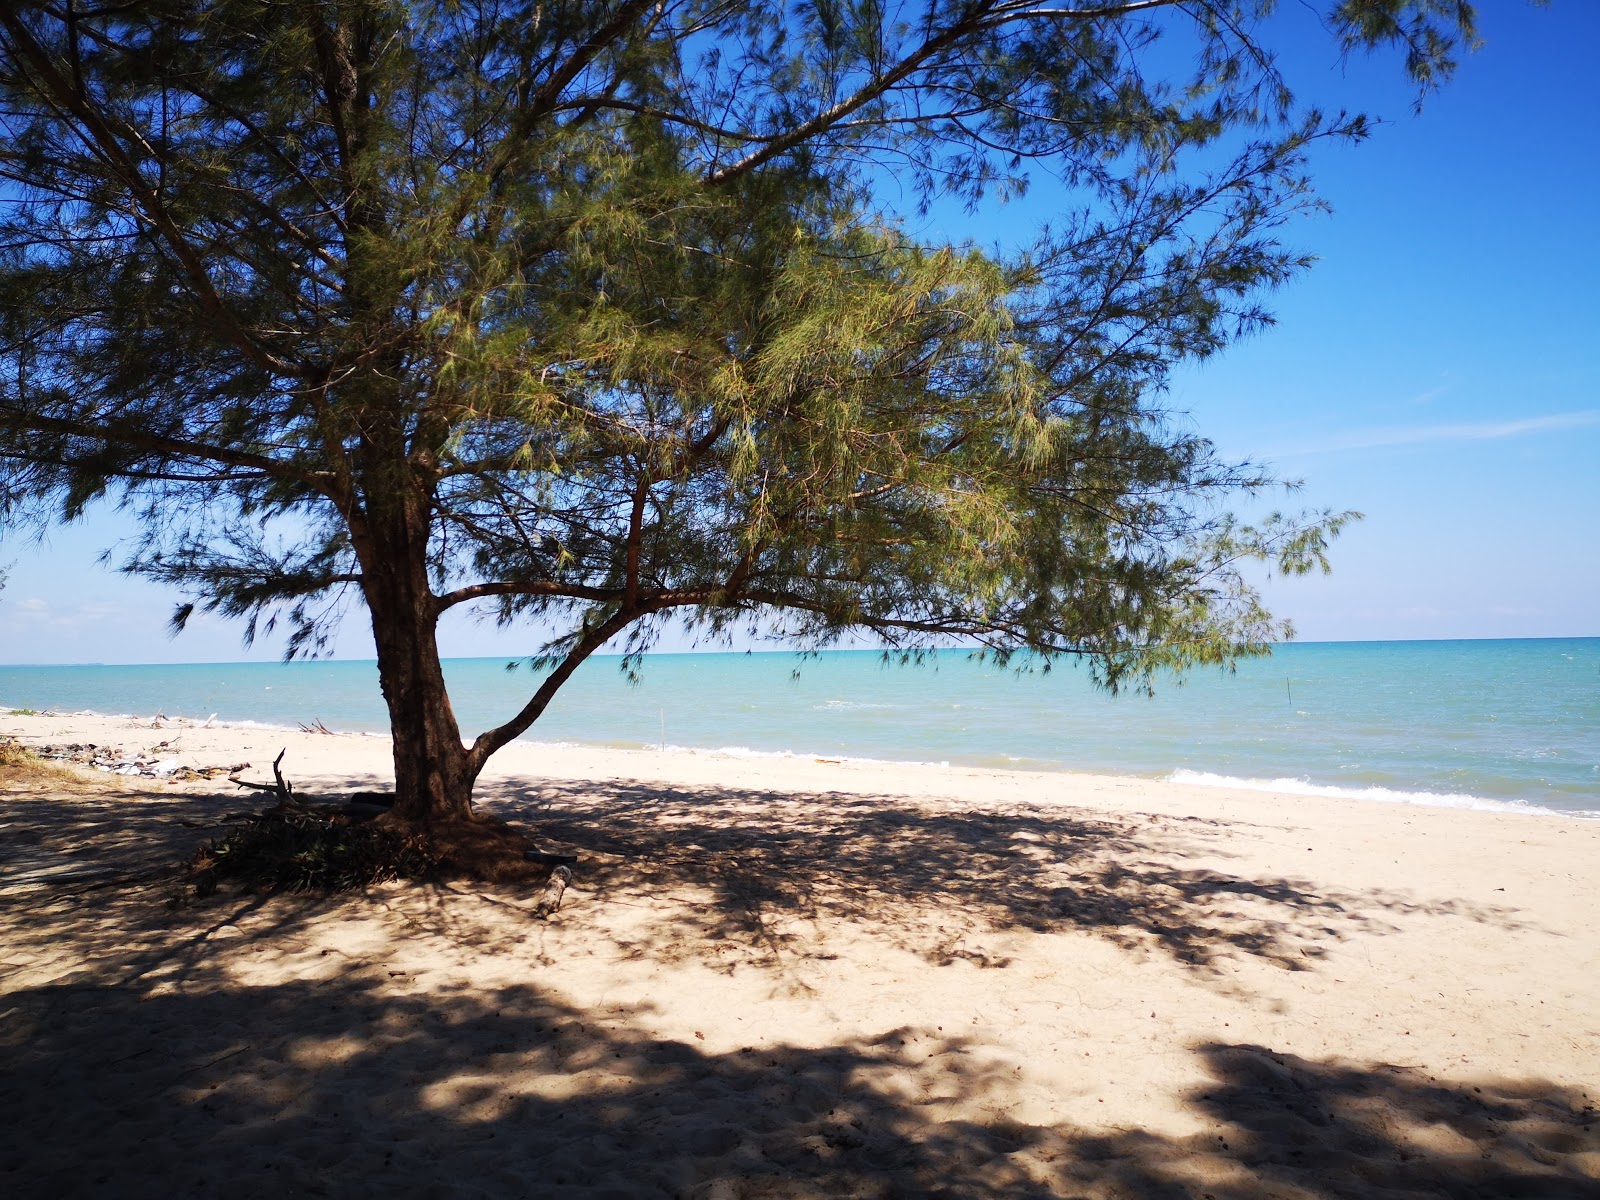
<point>1439,370</point>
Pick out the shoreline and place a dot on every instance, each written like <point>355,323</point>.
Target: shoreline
<point>1284,788</point>
<point>1441,723</point>
<point>786,978</point>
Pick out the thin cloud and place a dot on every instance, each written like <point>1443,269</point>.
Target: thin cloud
<point>36,614</point>
<point>1432,435</point>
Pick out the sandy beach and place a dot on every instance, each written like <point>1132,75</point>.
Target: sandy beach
<point>793,978</point>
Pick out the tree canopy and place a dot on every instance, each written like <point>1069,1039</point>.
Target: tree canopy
<point>613,313</point>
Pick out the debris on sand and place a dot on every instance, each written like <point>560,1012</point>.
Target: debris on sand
<point>156,762</point>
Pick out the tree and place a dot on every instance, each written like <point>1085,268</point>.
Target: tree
<point>599,312</point>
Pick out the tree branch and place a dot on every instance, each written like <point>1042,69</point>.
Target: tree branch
<point>976,21</point>
<point>159,444</point>
<point>97,127</point>
<point>491,740</point>
<point>551,589</point>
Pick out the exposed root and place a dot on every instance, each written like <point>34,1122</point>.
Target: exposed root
<point>485,849</point>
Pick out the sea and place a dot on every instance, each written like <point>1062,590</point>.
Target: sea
<point>1511,724</point>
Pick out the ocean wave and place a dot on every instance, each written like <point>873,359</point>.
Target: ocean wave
<point>1304,787</point>
<point>185,721</point>
<point>752,753</point>
<point>7,709</point>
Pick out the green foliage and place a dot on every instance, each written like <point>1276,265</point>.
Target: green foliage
<point>600,315</point>
<point>301,852</point>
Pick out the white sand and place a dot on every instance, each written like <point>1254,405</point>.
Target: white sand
<point>783,977</point>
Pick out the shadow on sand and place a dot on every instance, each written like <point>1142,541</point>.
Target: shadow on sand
<point>150,1065</point>
<point>343,1088</point>
<point>742,866</point>
<point>851,857</point>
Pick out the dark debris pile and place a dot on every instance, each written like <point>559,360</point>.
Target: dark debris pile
<point>156,762</point>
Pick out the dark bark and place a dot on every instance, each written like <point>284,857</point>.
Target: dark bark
<point>432,776</point>
<point>433,773</point>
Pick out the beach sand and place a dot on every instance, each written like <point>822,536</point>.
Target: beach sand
<point>798,978</point>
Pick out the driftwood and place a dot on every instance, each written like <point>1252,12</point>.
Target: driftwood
<point>282,789</point>
<point>553,890</point>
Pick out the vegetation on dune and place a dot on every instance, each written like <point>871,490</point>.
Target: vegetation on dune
<point>598,316</point>
<point>19,765</point>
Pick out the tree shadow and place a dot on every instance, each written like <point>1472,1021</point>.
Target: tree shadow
<point>108,831</point>
<point>1288,1126</point>
<point>158,1060</point>
<point>769,858</point>
<point>84,832</point>
<point>760,872</point>
<point>89,871</point>
<point>344,1087</point>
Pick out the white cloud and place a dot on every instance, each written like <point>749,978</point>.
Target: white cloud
<point>35,613</point>
<point>1429,435</point>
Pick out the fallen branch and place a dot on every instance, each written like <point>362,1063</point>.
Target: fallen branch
<point>283,789</point>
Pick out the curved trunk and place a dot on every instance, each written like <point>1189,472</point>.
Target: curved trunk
<point>433,775</point>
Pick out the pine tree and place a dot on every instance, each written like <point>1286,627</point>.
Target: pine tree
<point>613,314</point>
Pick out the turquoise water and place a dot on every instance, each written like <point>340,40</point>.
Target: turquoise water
<point>1471,723</point>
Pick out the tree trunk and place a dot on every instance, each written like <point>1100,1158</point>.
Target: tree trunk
<point>432,778</point>
<point>433,775</point>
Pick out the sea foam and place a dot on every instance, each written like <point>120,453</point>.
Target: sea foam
<point>1304,787</point>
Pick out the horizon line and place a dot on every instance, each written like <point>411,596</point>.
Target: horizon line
<point>278,662</point>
